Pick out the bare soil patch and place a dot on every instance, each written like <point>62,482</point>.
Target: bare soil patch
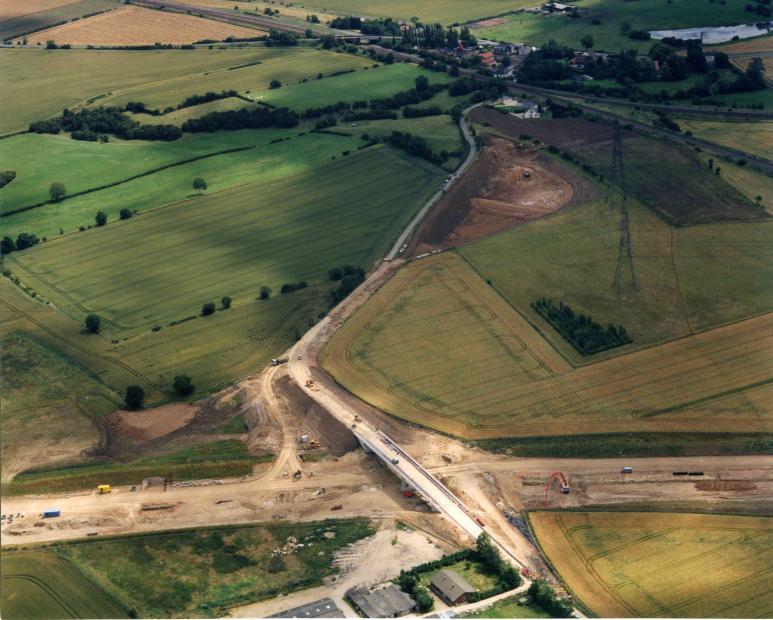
<point>509,184</point>
<point>725,485</point>
<point>151,423</point>
<point>489,23</point>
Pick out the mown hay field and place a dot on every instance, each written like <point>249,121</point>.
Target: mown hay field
<point>375,83</point>
<point>158,78</point>
<point>536,29</point>
<point>484,371</point>
<point>230,242</point>
<point>34,16</point>
<point>628,564</point>
<point>758,44</point>
<point>48,406</point>
<point>39,584</point>
<point>134,25</point>
<point>742,62</point>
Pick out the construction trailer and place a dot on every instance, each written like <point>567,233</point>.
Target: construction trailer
<point>103,488</point>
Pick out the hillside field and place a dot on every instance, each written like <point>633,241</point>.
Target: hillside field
<point>488,370</point>
<point>223,243</point>
<point>39,584</point>
<point>134,25</point>
<point>628,564</point>
<point>158,78</point>
<point>536,29</point>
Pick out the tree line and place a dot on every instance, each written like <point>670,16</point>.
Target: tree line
<point>96,124</point>
<point>582,332</point>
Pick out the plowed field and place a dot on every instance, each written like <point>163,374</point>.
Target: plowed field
<point>662,565</point>
<point>133,25</point>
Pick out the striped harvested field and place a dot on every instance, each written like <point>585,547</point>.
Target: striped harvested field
<point>672,565</point>
<point>742,62</point>
<point>133,25</point>
<point>483,371</point>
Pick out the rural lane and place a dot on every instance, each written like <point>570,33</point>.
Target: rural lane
<point>472,152</point>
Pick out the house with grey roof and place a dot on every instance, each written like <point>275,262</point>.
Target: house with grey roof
<point>388,602</point>
<point>451,586</point>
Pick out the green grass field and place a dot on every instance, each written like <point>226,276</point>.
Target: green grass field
<point>48,405</point>
<point>39,584</point>
<point>218,459</point>
<point>158,78</point>
<point>430,11</point>
<point>229,242</point>
<point>204,572</point>
<point>628,564</point>
<point>375,83</point>
<point>265,163</point>
<point>508,608</point>
<point>37,20</point>
<point>641,15</point>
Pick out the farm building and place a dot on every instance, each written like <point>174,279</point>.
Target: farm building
<point>388,602</point>
<point>323,608</point>
<point>487,59</point>
<point>451,586</point>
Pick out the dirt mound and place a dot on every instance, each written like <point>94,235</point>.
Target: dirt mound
<point>725,485</point>
<point>508,185</point>
<point>332,435</point>
<point>489,23</point>
<point>151,423</point>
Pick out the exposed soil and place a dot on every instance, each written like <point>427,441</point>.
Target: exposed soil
<point>151,423</point>
<point>725,485</point>
<point>508,185</point>
<point>316,421</point>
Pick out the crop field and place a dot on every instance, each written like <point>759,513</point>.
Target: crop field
<point>758,44</point>
<point>48,406</point>
<point>628,564</point>
<point>755,138</point>
<point>195,111</point>
<point>742,62</point>
<point>752,183</point>
<point>374,83</point>
<point>33,16</point>
<point>670,179</point>
<point>484,371</point>
<point>536,29</point>
<point>428,11</point>
<point>195,573</point>
<point>158,78</point>
<point>259,229</point>
<point>39,584</point>
<point>134,25</point>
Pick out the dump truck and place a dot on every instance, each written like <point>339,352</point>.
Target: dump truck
<point>278,361</point>
<point>103,488</point>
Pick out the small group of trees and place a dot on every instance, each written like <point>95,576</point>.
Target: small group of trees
<point>6,176</point>
<point>290,287</point>
<point>209,308</point>
<point>134,396</point>
<point>23,241</point>
<point>416,146</point>
<point>259,117</point>
<point>93,124</point>
<point>582,332</point>
<point>349,278</point>
<point>265,292</point>
<point>57,191</point>
<point>544,596</point>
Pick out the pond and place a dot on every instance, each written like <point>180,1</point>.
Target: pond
<point>716,34</point>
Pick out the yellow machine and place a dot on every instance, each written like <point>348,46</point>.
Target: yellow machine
<point>103,488</point>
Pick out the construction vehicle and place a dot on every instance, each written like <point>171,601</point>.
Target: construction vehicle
<point>278,361</point>
<point>357,417</point>
<point>102,489</point>
<point>479,521</point>
<point>394,461</point>
<point>557,475</point>
<point>626,470</point>
<point>297,475</point>
<point>51,513</point>
<point>526,174</point>
<point>309,383</point>
<point>312,444</point>
<point>337,507</point>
